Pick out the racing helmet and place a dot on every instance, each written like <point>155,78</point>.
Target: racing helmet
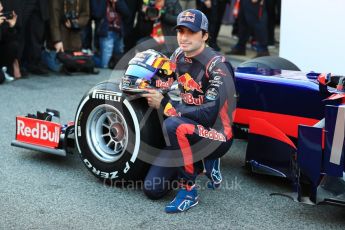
<point>146,70</point>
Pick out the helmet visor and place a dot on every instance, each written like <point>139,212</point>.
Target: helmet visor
<point>139,72</point>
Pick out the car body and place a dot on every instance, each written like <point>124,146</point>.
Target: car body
<point>296,129</point>
<point>294,123</point>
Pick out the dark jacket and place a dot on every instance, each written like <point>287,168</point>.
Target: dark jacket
<point>7,34</point>
<point>58,32</point>
<point>168,19</point>
<point>43,4</point>
<point>18,7</point>
<point>99,12</point>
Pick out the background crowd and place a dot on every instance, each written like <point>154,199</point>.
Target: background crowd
<point>32,32</point>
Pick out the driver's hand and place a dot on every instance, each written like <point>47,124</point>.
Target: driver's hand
<point>153,98</point>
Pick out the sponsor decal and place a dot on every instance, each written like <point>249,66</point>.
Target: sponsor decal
<point>212,94</point>
<point>217,78</point>
<point>212,65</point>
<point>125,170</point>
<point>210,134</point>
<point>189,84</point>
<point>106,95</point>
<point>38,132</point>
<point>219,72</point>
<point>216,81</point>
<point>187,17</point>
<point>105,175</point>
<point>170,111</point>
<point>164,84</point>
<point>188,60</point>
<point>216,84</point>
<point>126,82</point>
<point>189,99</point>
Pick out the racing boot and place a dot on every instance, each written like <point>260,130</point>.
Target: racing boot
<point>212,167</point>
<point>184,200</point>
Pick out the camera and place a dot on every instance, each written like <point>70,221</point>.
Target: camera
<point>72,17</point>
<point>152,11</point>
<point>8,15</point>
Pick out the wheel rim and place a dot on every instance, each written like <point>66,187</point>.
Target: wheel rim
<point>107,133</point>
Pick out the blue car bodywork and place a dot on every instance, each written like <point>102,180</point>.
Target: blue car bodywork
<point>296,126</point>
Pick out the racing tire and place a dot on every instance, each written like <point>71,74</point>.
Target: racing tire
<point>270,62</point>
<point>108,135</point>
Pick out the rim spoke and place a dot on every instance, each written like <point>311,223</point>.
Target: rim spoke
<point>110,141</point>
<point>106,135</point>
<point>108,145</point>
<point>111,118</point>
<point>116,118</point>
<point>106,126</point>
<point>115,147</point>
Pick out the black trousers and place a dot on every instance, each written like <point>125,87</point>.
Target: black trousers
<point>215,16</point>
<point>8,53</point>
<point>32,33</point>
<point>273,17</point>
<point>252,20</point>
<point>129,34</point>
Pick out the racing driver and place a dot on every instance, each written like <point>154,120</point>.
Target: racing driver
<point>199,127</point>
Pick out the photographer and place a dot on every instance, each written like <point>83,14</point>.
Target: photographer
<point>67,17</point>
<point>157,19</point>
<point>8,42</point>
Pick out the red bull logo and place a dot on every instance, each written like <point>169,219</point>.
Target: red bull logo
<point>187,16</point>
<point>38,132</point>
<point>188,83</point>
<point>189,99</point>
<point>170,111</point>
<point>164,84</point>
<point>210,134</point>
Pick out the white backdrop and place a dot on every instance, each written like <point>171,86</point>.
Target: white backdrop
<point>312,34</point>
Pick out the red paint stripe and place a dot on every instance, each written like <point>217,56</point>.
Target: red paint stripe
<point>226,120</point>
<point>322,79</point>
<point>286,123</point>
<point>181,132</point>
<point>264,128</point>
<point>336,96</point>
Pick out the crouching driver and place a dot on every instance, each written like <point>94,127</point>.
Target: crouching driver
<point>197,129</point>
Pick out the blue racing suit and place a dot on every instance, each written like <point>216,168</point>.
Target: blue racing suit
<point>198,127</point>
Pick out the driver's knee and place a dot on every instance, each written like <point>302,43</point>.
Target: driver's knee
<point>154,191</point>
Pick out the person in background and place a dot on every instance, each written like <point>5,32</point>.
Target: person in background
<point>35,17</point>
<point>90,41</point>
<point>129,37</point>
<point>67,18</point>
<point>273,18</point>
<point>156,21</point>
<point>252,20</point>
<point>111,30</point>
<point>214,11</point>
<point>9,43</point>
